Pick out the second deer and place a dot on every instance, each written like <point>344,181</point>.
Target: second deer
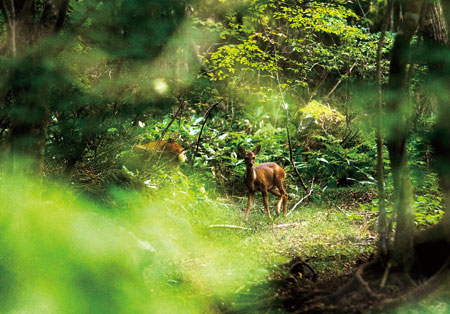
<point>266,177</point>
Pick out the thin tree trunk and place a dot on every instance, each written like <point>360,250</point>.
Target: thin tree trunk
<point>398,133</point>
<point>383,241</point>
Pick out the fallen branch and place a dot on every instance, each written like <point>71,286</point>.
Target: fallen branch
<point>229,226</point>
<point>298,267</point>
<point>303,198</point>
<point>287,225</point>
<point>352,285</point>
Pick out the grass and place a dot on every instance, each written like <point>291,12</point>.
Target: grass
<point>325,236</point>
<point>160,255</point>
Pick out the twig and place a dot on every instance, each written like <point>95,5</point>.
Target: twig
<point>229,226</point>
<point>349,137</point>
<point>204,122</point>
<point>303,198</point>
<point>340,81</point>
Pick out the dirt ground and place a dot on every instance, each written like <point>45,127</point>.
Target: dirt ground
<point>296,288</point>
<point>370,289</point>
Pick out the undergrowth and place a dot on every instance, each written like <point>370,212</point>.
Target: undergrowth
<point>163,254</point>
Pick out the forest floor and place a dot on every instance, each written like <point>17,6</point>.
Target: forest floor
<point>330,267</point>
<point>317,259</point>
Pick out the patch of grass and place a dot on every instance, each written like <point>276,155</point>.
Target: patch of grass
<point>157,254</point>
<point>325,236</point>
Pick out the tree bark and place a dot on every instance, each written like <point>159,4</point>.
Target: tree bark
<point>398,132</point>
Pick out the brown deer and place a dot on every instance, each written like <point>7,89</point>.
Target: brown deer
<point>170,150</point>
<point>266,177</point>
<point>155,155</point>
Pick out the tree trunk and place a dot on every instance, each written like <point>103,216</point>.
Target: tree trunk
<point>398,132</point>
<point>434,28</point>
<point>30,105</point>
<point>383,240</point>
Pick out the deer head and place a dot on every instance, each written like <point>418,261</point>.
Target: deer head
<point>249,156</point>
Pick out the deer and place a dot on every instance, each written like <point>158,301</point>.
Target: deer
<point>167,149</point>
<point>266,177</point>
<point>155,155</point>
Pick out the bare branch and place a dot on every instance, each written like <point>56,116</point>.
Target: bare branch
<point>180,108</point>
<point>204,122</point>
<point>304,197</point>
<point>340,81</point>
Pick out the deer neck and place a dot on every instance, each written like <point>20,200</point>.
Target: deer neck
<point>250,175</point>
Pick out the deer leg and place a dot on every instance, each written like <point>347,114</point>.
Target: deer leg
<point>276,191</point>
<point>279,204</point>
<point>284,197</point>
<point>266,202</point>
<point>251,196</point>
<point>281,192</point>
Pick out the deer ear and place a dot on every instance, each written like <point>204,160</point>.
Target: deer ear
<point>241,151</point>
<point>257,149</point>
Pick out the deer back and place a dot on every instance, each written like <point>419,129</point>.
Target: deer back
<point>263,176</point>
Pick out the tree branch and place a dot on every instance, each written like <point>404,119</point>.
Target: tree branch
<point>204,122</point>
<point>340,81</point>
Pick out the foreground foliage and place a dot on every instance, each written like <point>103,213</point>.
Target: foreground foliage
<point>66,254</point>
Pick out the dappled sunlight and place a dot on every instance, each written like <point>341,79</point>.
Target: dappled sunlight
<point>172,69</point>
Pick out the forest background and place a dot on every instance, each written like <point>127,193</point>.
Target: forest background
<point>351,98</point>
